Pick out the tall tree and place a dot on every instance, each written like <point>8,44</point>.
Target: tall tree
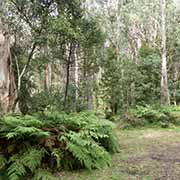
<point>165,99</point>
<point>7,83</point>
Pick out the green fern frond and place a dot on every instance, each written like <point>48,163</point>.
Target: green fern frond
<point>3,162</point>
<point>73,141</point>
<point>22,131</point>
<point>57,154</point>
<point>42,174</point>
<point>16,170</point>
<point>14,121</point>
<point>32,159</point>
<point>87,151</point>
<point>20,163</point>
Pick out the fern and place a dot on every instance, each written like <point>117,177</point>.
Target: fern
<point>20,163</point>
<point>21,131</point>
<point>42,174</point>
<point>57,154</point>
<point>16,170</point>
<point>3,162</point>
<point>32,159</point>
<point>57,140</point>
<point>87,151</point>
<point>14,121</point>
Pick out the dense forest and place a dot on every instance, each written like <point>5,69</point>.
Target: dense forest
<point>83,83</point>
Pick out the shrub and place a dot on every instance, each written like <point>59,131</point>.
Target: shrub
<point>130,119</point>
<point>35,146</point>
<point>148,115</point>
<point>173,114</point>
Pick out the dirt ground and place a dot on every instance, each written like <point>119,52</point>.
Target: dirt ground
<point>146,154</point>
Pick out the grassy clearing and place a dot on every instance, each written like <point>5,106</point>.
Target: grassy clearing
<point>146,154</point>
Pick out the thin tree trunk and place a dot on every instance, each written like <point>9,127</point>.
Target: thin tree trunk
<point>176,76</point>
<point>88,84</point>
<point>48,77</point>
<point>67,84</point>
<point>67,76</point>
<point>75,78</point>
<point>89,92</point>
<point>7,82</point>
<point>165,99</point>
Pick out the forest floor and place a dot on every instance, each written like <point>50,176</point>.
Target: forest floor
<point>145,154</point>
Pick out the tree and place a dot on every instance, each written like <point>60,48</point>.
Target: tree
<point>7,82</point>
<point>165,98</point>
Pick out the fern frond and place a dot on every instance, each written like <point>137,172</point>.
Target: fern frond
<point>16,170</point>
<point>57,154</point>
<point>20,163</point>
<point>22,131</point>
<point>14,121</point>
<point>42,174</point>
<point>32,159</point>
<point>87,151</point>
<point>3,162</point>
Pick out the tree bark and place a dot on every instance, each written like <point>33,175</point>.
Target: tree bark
<point>7,81</point>
<point>48,77</point>
<point>175,80</point>
<point>165,99</point>
<point>68,62</point>
<point>75,78</point>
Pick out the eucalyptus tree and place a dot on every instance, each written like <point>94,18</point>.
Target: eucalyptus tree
<point>7,81</point>
<point>165,99</point>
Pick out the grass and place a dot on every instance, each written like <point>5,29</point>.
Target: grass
<point>146,154</point>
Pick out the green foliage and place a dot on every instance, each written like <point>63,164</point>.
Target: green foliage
<point>32,144</point>
<point>147,88</point>
<point>126,83</point>
<point>3,162</point>
<point>149,115</point>
<point>19,127</point>
<point>87,151</point>
<point>129,120</point>
<point>46,100</point>
<point>21,162</point>
<point>42,174</point>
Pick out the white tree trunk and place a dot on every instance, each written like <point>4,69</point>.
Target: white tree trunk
<point>76,76</point>
<point>165,99</point>
<point>7,83</point>
<point>48,77</point>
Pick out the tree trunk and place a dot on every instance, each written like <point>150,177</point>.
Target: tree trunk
<point>75,77</point>
<point>48,77</point>
<point>68,62</point>
<point>7,82</point>
<point>66,85</point>
<point>176,77</point>
<point>165,99</point>
<point>89,92</point>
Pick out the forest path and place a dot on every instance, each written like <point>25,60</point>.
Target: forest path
<point>145,154</point>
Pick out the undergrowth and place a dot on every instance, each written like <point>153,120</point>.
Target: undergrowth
<point>150,115</point>
<point>34,147</point>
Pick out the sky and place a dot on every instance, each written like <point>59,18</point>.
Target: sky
<point>177,2</point>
